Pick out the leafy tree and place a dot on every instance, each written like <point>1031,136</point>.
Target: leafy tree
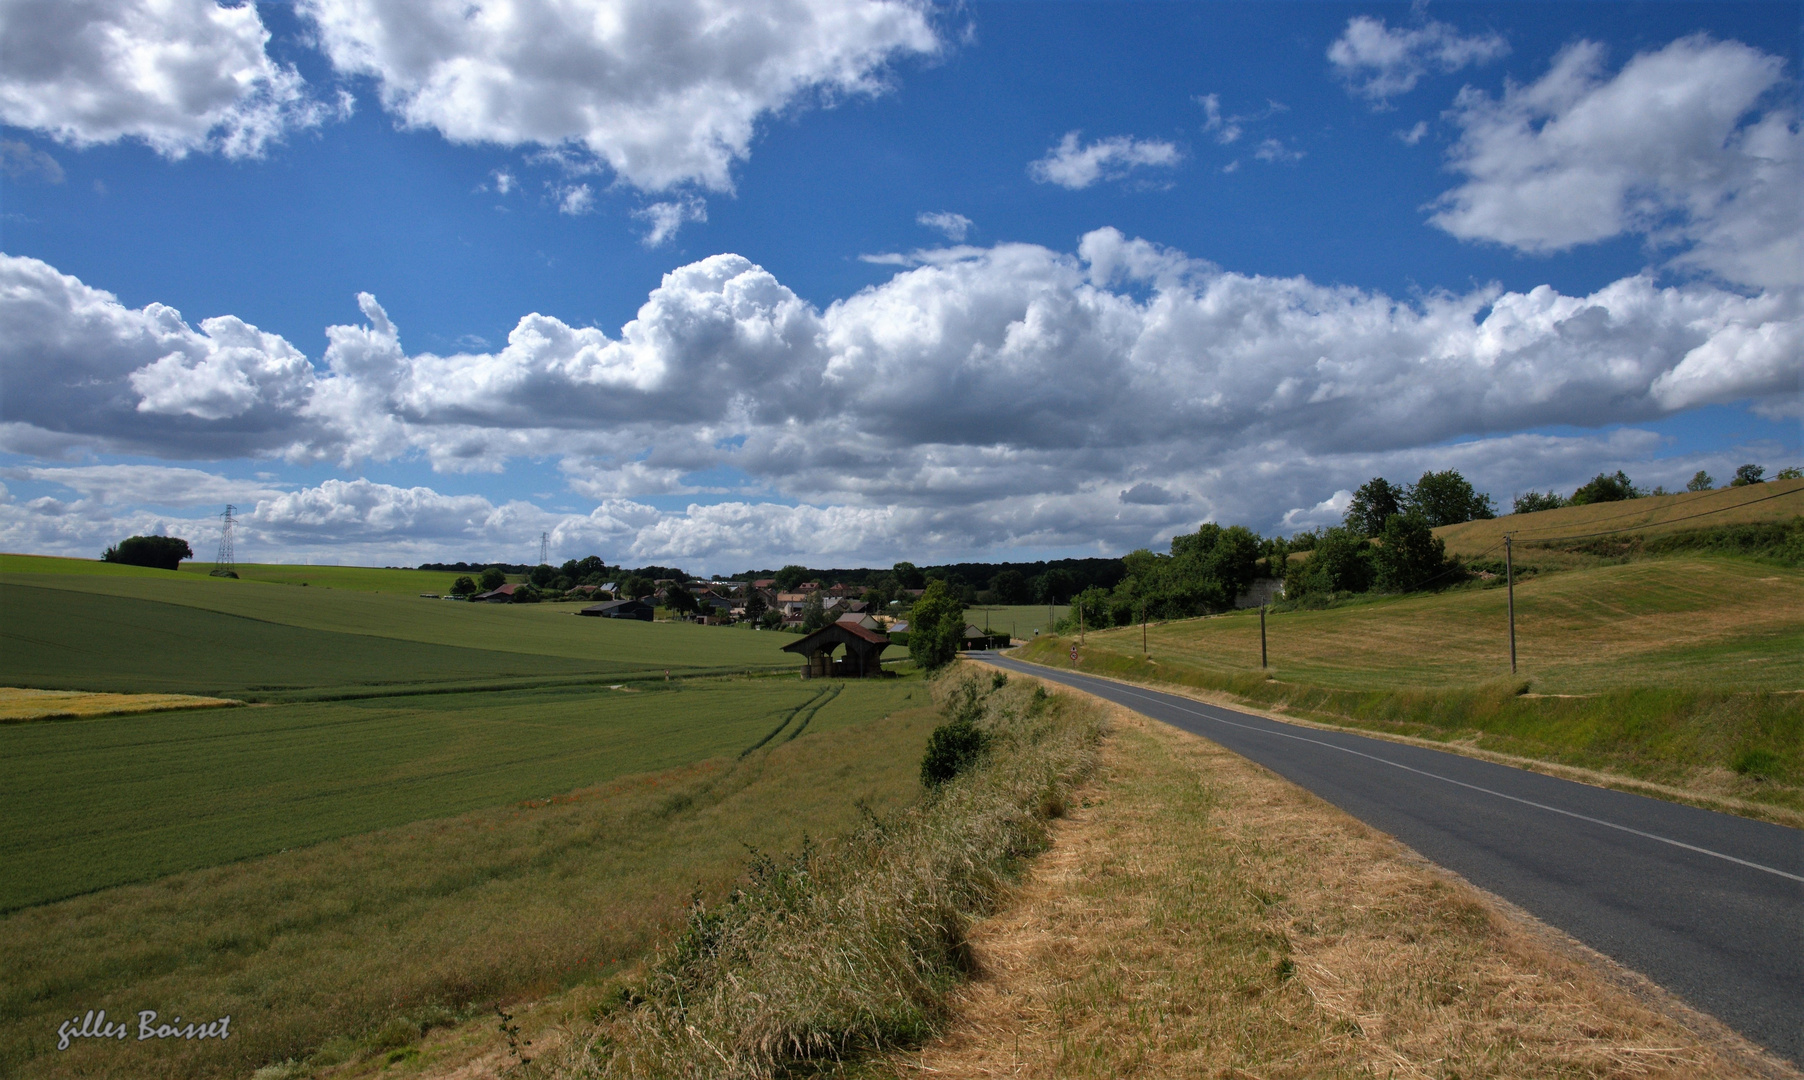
<point>636,587</point>
<point>1376,500</point>
<point>161,552</point>
<point>541,575</point>
<point>1408,554</point>
<point>1790,472</point>
<point>463,586</point>
<point>936,627</point>
<point>1536,500</point>
<point>526,594</point>
<point>908,576</point>
<point>1446,498</point>
<point>1232,563</point>
<point>1341,562</point>
<point>814,613</point>
<point>1010,587</point>
<point>1701,481</point>
<point>1748,474</point>
<point>1602,489</point>
<point>791,576</point>
<point>679,599</point>
<point>492,578</point>
<point>755,607</point>
<point>1055,586</point>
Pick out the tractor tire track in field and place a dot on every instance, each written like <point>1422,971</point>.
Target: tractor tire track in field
<point>817,706</point>
<point>817,700</point>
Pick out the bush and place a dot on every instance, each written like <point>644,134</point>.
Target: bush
<point>936,627</point>
<point>1535,501</point>
<point>952,748</point>
<point>1340,562</point>
<point>159,552</point>
<point>1601,489</point>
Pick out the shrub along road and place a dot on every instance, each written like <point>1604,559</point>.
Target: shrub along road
<point>1708,905</point>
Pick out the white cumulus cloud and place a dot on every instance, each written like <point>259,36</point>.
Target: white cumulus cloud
<point>1683,146</point>
<point>664,92</point>
<point>1379,62</point>
<point>179,75</point>
<point>1076,165</point>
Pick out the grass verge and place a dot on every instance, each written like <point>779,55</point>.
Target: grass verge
<point>1198,916</point>
<point>841,949</point>
<point>1682,673</point>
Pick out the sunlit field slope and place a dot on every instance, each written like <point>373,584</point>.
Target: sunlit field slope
<point>355,578</point>
<point>1683,670</point>
<point>1774,501</point>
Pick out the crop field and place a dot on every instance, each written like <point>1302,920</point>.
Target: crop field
<point>319,870</point>
<point>181,791</point>
<point>374,579</point>
<point>1776,500</point>
<point>78,625</point>
<point>1021,620</point>
<point>428,805</point>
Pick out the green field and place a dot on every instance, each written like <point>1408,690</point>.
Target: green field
<point>429,805</point>
<point>181,791</point>
<point>499,846</point>
<point>1021,620</point>
<point>1683,670</point>
<point>81,625</point>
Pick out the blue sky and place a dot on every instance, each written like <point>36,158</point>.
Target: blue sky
<point>944,282</point>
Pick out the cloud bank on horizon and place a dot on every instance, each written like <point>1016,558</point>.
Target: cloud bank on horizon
<point>979,400</point>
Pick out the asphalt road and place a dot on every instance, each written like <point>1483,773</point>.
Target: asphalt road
<point>1708,905</point>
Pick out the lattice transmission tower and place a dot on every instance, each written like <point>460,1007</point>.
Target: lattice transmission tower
<point>544,548</point>
<point>225,564</point>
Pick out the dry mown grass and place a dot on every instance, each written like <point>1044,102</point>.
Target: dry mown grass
<point>18,705</point>
<point>1198,916</point>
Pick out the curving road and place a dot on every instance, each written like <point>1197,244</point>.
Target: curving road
<point>1708,905</point>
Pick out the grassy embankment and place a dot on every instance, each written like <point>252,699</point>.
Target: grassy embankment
<point>1021,620</point>
<point>1681,670</point>
<point>405,849</point>
<point>1198,916</point>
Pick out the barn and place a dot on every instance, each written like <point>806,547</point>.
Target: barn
<point>863,658</point>
<point>620,609</point>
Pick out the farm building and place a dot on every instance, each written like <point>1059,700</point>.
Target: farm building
<point>977,638</point>
<point>863,658</point>
<point>503,595</point>
<point>620,609</point>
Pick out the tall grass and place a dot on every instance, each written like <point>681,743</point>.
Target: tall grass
<point>854,946</point>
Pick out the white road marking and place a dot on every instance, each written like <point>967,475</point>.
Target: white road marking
<point>1170,703</point>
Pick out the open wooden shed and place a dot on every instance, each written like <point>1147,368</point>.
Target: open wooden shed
<point>863,658</point>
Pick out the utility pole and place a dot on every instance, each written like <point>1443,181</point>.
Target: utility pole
<point>1080,624</point>
<point>1143,630</point>
<point>1509,581</point>
<point>1262,663</point>
<point>226,562</point>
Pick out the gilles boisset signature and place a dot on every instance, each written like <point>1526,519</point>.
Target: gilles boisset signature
<point>95,1025</point>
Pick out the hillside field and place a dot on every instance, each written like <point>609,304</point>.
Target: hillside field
<point>1677,670</point>
<point>74,624</point>
<point>428,806</point>
<point>1656,515</point>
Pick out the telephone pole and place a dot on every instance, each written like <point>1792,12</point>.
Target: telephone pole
<point>1509,582</point>
<point>1262,664</point>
